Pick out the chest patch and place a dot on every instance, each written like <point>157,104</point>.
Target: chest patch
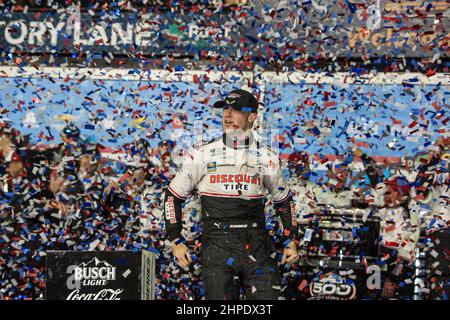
<point>211,167</point>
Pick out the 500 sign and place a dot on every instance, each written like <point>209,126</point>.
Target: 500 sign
<point>338,290</point>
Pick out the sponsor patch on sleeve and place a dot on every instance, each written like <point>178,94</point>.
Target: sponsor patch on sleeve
<point>170,210</point>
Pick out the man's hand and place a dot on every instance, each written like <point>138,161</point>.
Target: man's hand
<point>63,209</point>
<point>388,289</point>
<point>290,254</point>
<point>181,253</point>
<point>57,184</point>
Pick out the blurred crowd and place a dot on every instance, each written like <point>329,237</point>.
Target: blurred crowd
<point>73,197</point>
<point>411,203</point>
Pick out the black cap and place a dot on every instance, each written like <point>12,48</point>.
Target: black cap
<point>239,100</point>
<point>71,131</point>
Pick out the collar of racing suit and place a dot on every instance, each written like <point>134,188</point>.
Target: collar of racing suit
<point>238,143</point>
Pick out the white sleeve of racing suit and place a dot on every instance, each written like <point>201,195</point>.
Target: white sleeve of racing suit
<point>184,182</point>
<point>187,176</point>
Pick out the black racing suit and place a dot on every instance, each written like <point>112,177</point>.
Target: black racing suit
<point>232,180</point>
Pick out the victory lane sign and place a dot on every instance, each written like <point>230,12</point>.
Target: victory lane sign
<point>94,275</point>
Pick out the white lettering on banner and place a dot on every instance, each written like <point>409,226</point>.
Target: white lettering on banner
<point>98,36</point>
<point>143,34</point>
<point>77,39</point>
<point>54,31</point>
<point>94,273</point>
<point>94,282</point>
<point>104,294</point>
<point>37,31</point>
<point>71,283</point>
<point>208,32</point>
<point>11,27</point>
<point>374,280</point>
<point>17,32</point>
<point>119,36</point>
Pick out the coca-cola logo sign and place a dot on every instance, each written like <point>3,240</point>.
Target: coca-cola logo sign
<point>104,294</point>
<point>114,275</point>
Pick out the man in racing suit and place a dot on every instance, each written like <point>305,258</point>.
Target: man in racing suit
<point>231,175</point>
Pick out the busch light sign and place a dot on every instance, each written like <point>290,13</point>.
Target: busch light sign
<point>112,275</point>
